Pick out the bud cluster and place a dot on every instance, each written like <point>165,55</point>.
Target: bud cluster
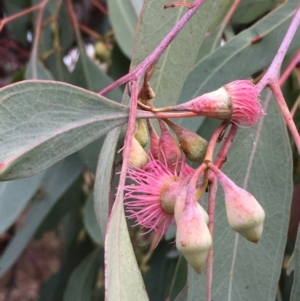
<point>163,192</point>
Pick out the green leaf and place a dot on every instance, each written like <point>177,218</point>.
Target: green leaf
<point>291,264</point>
<point>90,222</point>
<point>250,10</point>
<point>56,181</point>
<point>14,197</point>
<point>220,13</point>
<point>43,122</point>
<point>124,19</point>
<point>103,179</point>
<point>162,265</point>
<point>260,161</point>
<point>122,272</point>
<point>119,63</point>
<point>90,154</point>
<point>182,296</point>
<point>69,199</point>
<point>88,74</point>
<point>175,64</point>
<point>19,26</point>
<point>74,250</point>
<point>35,70</point>
<point>295,294</point>
<point>81,283</point>
<point>238,58</point>
<point>179,279</point>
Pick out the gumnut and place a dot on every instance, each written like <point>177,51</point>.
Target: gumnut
<point>245,215</point>
<point>137,157</point>
<point>193,239</point>
<point>192,144</point>
<point>169,150</point>
<point>237,102</point>
<point>141,133</point>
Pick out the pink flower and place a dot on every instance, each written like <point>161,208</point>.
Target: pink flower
<point>152,199</point>
<point>237,102</point>
<point>246,107</point>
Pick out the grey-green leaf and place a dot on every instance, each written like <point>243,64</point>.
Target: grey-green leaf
<point>122,274</point>
<point>15,195</point>
<point>260,160</point>
<point>35,70</point>
<point>56,181</point>
<point>90,221</point>
<point>124,18</point>
<point>238,58</point>
<point>175,64</point>
<point>102,190</point>
<point>295,294</point>
<point>82,280</point>
<point>42,122</point>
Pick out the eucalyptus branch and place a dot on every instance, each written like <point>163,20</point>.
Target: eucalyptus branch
<point>275,88</point>
<point>39,6</point>
<point>225,21</point>
<point>128,137</point>
<point>294,62</point>
<point>139,70</point>
<point>34,52</point>
<point>210,258</point>
<point>271,77</point>
<point>273,71</point>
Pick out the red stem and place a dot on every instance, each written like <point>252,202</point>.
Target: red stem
<point>38,25</point>
<point>225,21</point>
<point>275,66</point>
<point>275,88</point>
<point>139,70</point>
<point>210,258</point>
<point>222,155</point>
<point>214,139</point>
<point>289,69</point>
<point>8,19</point>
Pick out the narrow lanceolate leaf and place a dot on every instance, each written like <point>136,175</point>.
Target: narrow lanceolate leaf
<point>123,277</point>
<point>15,195</point>
<point>42,122</point>
<point>295,295</point>
<point>124,18</point>
<point>239,58</point>
<point>90,222</point>
<point>82,280</point>
<point>56,181</point>
<point>260,161</point>
<point>35,70</point>
<point>102,189</point>
<point>175,64</point>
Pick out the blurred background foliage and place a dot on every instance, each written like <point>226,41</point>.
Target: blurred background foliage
<point>51,246</point>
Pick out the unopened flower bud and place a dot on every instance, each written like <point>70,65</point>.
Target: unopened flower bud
<point>192,144</point>
<point>237,101</point>
<point>138,157</point>
<point>169,150</point>
<point>154,140</point>
<point>179,205</point>
<point>193,239</point>
<point>141,133</point>
<point>245,215</point>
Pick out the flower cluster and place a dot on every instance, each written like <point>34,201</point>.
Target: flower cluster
<point>166,189</point>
